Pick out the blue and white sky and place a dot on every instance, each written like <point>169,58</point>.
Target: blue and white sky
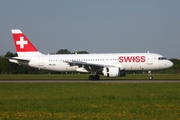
<point>96,26</point>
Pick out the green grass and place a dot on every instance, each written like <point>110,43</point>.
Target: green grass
<point>89,101</point>
<point>84,77</point>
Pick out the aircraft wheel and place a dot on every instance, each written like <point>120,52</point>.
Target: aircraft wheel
<point>150,77</point>
<point>91,77</point>
<point>97,77</point>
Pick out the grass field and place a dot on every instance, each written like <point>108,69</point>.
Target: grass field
<point>89,101</point>
<point>85,76</point>
<point>47,101</point>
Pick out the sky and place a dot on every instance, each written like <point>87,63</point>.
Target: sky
<point>96,26</point>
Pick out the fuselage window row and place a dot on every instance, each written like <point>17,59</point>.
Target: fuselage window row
<point>79,60</point>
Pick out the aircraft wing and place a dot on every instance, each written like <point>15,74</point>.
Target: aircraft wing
<point>89,66</point>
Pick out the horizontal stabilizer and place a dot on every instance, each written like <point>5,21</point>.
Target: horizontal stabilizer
<point>21,59</point>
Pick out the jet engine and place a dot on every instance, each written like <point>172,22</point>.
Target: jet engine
<point>113,72</point>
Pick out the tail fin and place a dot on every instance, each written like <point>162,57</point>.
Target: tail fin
<point>24,47</point>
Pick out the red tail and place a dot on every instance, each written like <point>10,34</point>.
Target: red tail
<point>21,42</point>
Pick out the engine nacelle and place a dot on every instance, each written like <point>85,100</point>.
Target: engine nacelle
<point>113,72</point>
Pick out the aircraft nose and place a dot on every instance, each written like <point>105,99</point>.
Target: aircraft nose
<point>170,64</point>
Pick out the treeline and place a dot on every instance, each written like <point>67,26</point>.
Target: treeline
<point>7,67</point>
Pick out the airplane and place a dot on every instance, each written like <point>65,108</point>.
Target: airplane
<point>107,64</point>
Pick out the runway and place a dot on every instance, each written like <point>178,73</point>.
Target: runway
<point>88,81</point>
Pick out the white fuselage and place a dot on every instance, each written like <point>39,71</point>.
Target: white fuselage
<point>125,61</point>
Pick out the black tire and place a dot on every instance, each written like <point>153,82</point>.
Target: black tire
<point>91,77</point>
<point>96,77</point>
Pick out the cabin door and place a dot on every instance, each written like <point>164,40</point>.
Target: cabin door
<point>40,62</point>
<point>149,59</point>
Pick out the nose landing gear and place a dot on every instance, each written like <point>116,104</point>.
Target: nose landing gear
<point>150,75</point>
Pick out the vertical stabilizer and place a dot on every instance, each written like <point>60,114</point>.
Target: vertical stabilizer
<point>23,45</point>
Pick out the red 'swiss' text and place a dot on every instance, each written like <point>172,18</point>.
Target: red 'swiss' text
<point>132,59</point>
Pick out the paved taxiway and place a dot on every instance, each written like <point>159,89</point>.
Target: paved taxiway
<point>88,81</point>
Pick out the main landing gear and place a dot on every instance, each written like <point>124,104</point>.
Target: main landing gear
<point>150,75</point>
<point>94,77</point>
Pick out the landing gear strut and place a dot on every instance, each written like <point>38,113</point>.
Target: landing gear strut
<point>94,77</point>
<point>150,75</point>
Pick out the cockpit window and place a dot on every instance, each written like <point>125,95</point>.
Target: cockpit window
<point>162,58</point>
